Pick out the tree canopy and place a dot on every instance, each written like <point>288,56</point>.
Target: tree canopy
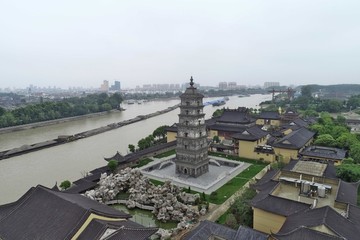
<point>54,110</point>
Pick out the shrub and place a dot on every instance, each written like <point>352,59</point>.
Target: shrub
<point>65,184</point>
<point>112,164</point>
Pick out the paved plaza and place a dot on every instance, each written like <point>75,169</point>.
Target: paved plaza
<point>208,182</point>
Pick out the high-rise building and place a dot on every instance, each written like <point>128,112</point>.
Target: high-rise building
<point>223,85</point>
<point>191,150</point>
<point>271,84</point>
<point>104,86</point>
<point>116,86</point>
<point>232,85</point>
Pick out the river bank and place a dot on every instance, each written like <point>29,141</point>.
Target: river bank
<point>52,122</point>
<point>70,138</point>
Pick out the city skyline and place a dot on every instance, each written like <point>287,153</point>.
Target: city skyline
<point>73,44</point>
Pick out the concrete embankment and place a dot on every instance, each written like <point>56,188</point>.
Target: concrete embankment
<point>50,122</point>
<point>69,138</point>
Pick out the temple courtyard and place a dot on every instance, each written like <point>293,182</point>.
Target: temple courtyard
<point>221,171</point>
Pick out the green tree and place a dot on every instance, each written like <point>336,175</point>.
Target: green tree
<point>231,221</point>
<point>330,105</point>
<point>353,102</point>
<point>348,172</point>
<point>306,91</point>
<point>160,132</point>
<point>241,207</point>
<point>203,196</point>
<point>2,111</point>
<point>131,148</point>
<point>112,164</point>
<point>355,152</point>
<point>325,140</point>
<point>65,184</point>
<point>213,195</point>
<point>216,139</point>
<point>345,140</point>
<point>105,107</point>
<point>142,144</point>
<point>218,113</point>
<point>310,113</point>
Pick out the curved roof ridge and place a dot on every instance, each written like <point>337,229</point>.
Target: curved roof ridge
<point>78,225</point>
<point>302,227</point>
<point>17,204</point>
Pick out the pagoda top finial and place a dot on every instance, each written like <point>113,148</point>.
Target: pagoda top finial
<point>191,81</point>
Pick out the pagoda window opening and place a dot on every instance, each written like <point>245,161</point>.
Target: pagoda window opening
<point>187,103</point>
<point>199,122</point>
<point>185,146</point>
<point>198,111</point>
<point>187,112</point>
<point>186,134</point>
<point>187,123</point>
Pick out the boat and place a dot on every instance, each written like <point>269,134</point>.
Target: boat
<point>218,103</point>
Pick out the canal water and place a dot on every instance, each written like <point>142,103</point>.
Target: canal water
<point>72,160</point>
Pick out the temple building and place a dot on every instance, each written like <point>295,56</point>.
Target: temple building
<point>192,148</point>
<point>43,213</point>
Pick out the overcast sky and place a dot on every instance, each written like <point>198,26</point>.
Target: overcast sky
<point>83,42</point>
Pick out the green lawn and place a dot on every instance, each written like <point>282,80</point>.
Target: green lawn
<point>236,183</point>
<point>165,154</point>
<point>222,218</point>
<point>156,182</point>
<point>142,162</point>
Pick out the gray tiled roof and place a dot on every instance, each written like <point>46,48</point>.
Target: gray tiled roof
<point>300,122</point>
<point>245,233</point>
<point>324,152</point>
<point>305,233</point>
<point>269,175</point>
<point>251,134</point>
<point>354,214</point>
<point>295,140</point>
<point>327,216</point>
<point>347,192</point>
<point>123,230</point>
<point>238,116</point>
<point>280,206</point>
<point>269,115</point>
<point>124,233</point>
<point>227,128</point>
<point>58,215</point>
<point>207,229</point>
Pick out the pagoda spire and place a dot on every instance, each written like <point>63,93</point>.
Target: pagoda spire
<point>191,81</point>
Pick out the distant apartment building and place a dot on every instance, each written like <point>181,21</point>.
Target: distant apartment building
<point>104,86</point>
<point>223,85</point>
<point>161,87</point>
<point>232,85</point>
<point>271,84</point>
<point>116,87</point>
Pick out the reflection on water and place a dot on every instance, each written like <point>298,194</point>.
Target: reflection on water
<point>145,218</point>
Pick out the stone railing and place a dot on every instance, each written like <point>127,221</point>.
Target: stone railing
<point>138,205</point>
